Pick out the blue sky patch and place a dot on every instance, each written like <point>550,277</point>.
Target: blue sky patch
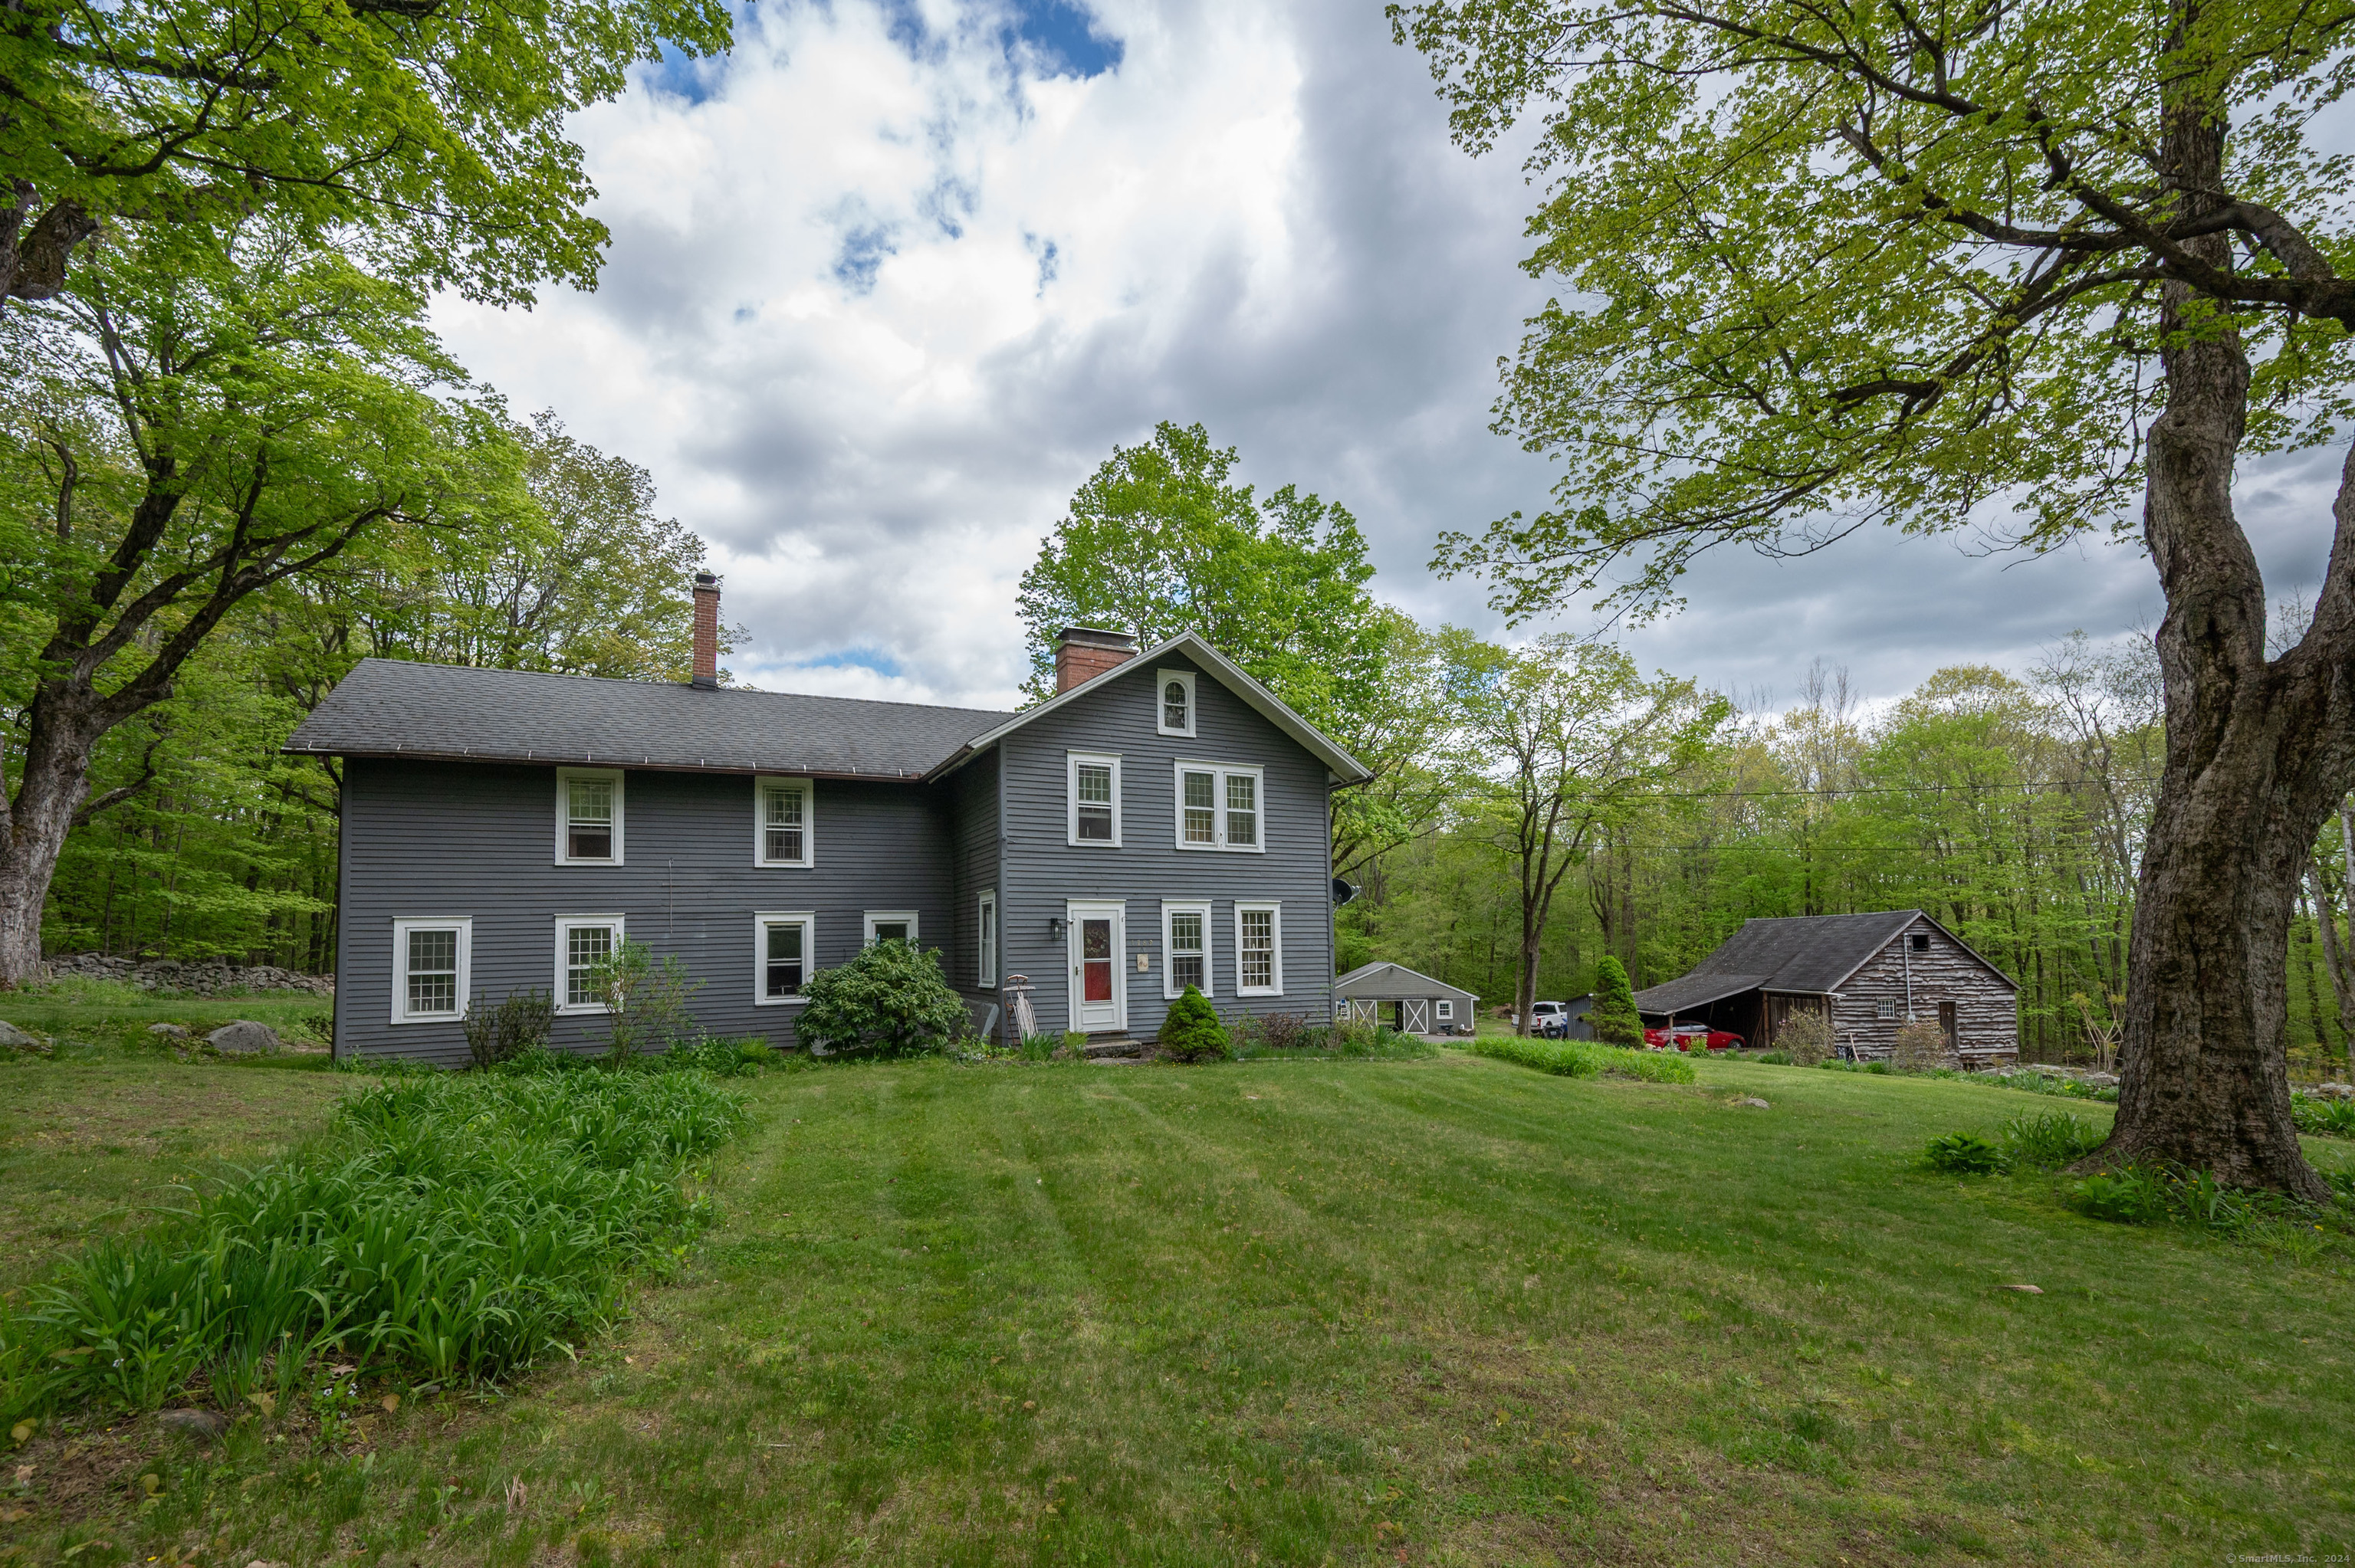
<point>1064,38</point>
<point>873,659</point>
<point>861,257</point>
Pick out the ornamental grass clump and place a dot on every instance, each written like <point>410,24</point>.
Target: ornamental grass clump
<point>449,1227</point>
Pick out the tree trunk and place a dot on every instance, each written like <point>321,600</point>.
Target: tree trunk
<point>65,727</point>
<point>2254,752</point>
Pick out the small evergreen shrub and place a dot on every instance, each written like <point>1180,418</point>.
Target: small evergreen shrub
<point>888,1001</point>
<point>518,1024</point>
<point>1613,1014</point>
<point>1191,1032</point>
<point>1806,1036</point>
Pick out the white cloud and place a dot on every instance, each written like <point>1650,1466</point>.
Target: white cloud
<point>881,295</point>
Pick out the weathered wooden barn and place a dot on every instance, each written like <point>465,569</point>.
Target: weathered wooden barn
<point>1873,971</point>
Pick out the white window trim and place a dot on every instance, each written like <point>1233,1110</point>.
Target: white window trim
<point>564,777</point>
<point>1170,989</point>
<point>564,923</point>
<point>465,926</point>
<point>872,915</point>
<point>1072,761</point>
<point>807,920</point>
<point>1219,772</point>
<point>986,938</point>
<point>1443,1009</point>
<point>761,785</point>
<point>1884,1007</point>
<point>1275,957</point>
<point>1161,679</point>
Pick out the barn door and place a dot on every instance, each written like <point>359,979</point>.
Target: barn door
<point>1949,1027</point>
<point>1418,1014</point>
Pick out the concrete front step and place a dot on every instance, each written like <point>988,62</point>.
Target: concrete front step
<point>1102,1048</point>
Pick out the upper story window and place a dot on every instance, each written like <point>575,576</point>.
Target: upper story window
<point>1921,941</point>
<point>584,944</point>
<point>782,947</point>
<point>782,824</point>
<point>429,963</point>
<point>1094,791</point>
<point>588,816</point>
<point>1218,806</point>
<point>1175,688</point>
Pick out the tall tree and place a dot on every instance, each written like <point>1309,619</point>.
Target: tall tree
<point>207,415</point>
<point>1566,735</point>
<point>1844,264</point>
<point>433,128</point>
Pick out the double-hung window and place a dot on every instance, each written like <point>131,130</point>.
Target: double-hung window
<point>1259,949</point>
<point>781,823</point>
<point>583,943</point>
<point>1186,948</point>
<point>1219,807</point>
<point>1445,1011</point>
<point>985,959</point>
<point>1094,791</point>
<point>431,960</point>
<point>784,947</point>
<point>588,816</point>
<point>890,926</point>
<point>1174,694</point>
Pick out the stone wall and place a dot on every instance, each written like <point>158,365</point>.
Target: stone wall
<point>197,977</point>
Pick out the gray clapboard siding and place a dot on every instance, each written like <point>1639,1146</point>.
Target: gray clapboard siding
<point>433,839</point>
<point>1043,870</point>
<point>972,793</point>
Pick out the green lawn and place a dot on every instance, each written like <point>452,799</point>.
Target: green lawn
<point>1440,1312</point>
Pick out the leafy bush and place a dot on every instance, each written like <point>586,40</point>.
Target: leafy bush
<point>888,1001</point>
<point>1964,1154</point>
<point>1806,1034</point>
<point>1920,1045</point>
<point>2321,1117</point>
<point>1582,1059</point>
<point>646,1002</point>
<point>2048,1141</point>
<point>1284,1031</point>
<point>450,1225</point>
<point>522,1022</point>
<point>1190,1030</point>
<point>1612,1015</point>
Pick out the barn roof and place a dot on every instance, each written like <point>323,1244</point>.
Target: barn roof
<point>1806,954</point>
<point>1383,979</point>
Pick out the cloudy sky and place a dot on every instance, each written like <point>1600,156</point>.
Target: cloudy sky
<point>890,279</point>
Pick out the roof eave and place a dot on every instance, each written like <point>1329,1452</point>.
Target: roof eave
<point>594,759</point>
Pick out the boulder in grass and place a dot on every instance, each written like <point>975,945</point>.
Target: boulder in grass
<point>14,1039</point>
<point>201,1425</point>
<point>244,1037</point>
<point>176,1031</point>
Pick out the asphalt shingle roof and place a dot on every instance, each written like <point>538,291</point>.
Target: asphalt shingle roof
<point>1805,953</point>
<point>389,707</point>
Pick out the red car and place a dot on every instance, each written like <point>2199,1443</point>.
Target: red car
<point>1685,1036</point>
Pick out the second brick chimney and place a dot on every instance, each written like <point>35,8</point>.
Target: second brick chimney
<point>707,632</point>
<point>1083,652</point>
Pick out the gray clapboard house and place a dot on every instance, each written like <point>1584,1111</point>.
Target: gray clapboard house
<point>1162,821</point>
<point>1871,973</point>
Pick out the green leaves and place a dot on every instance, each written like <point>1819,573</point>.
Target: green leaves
<point>890,1000</point>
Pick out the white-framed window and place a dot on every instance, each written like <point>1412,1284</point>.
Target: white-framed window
<point>1173,702</point>
<point>588,816</point>
<point>890,926</point>
<point>784,827</point>
<point>985,958</point>
<point>1444,1009</point>
<point>1259,949</point>
<point>1221,806</point>
<point>1185,949</point>
<point>432,961</point>
<point>1885,1008</point>
<point>582,942</point>
<point>784,951</point>
<point>1095,795</point>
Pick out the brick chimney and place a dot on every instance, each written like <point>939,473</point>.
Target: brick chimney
<point>1083,652</point>
<point>707,632</point>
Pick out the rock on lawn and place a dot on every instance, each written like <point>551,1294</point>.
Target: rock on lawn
<point>244,1037</point>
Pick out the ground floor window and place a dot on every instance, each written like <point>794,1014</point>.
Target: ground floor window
<point>985,948</point>
<point>890,926</point>
<point>431,959</point>
<point>782,947</point>
<point>1186,939</point>
<point>1447,1011</point>
<point>583,943</point>
<point>1259,949</point>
